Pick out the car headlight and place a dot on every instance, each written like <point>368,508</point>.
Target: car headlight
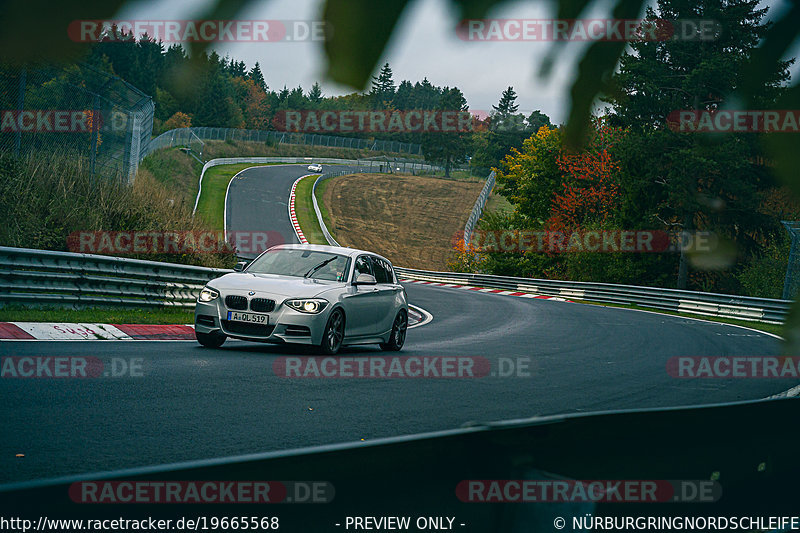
<point>208,294</point>
<point>307,305</point>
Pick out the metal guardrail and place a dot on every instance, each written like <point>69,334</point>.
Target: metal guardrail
<point>477,209</point>
<point>42,277</point>
<point>322,226</point>
<point>699,303</point>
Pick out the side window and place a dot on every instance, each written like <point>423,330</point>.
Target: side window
<point>389,272</point>
<point>362,266</point>
<point>381,269</point>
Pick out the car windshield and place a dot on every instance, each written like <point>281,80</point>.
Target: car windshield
<point>301,263</point>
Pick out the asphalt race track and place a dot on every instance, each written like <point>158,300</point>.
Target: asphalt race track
<point>192,403</point>
<point>257,200</point>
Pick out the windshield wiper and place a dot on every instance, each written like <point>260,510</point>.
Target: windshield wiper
<point>314,269</point>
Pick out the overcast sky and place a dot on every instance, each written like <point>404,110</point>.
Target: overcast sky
<point>425,44</point>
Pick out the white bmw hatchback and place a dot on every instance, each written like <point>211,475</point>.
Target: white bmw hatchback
<point>325,296</point>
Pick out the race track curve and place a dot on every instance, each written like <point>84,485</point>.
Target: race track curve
<point>193,403</point>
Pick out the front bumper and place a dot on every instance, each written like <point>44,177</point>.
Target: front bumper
<point>286,325</point>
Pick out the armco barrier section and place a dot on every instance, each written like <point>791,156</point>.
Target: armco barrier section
<point>71,279</point>
<point>43,277</point>
<point>322,226</point>
<point>700,303</point>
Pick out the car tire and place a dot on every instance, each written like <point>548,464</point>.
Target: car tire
<point>210,340</point>
<point>333,335</point>
<point>398,335</point>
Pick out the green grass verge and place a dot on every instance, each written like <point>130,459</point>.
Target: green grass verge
<point>499,204</point>
<point>98,315</point>
<point>177,171</point>
<point>775,329</point>
<point>304,209</point>
<point>211,206</point>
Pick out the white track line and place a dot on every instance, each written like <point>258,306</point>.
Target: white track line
<point>427,317</point>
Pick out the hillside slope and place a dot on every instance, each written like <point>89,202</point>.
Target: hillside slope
<point>409,219</point>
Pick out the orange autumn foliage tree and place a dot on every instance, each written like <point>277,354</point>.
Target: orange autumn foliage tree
<point>465,258</point>
<point>556,190</point>
<point>178,120</point>
<point>589,191</point>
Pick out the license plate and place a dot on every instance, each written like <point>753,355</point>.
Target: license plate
<point>252,318</point>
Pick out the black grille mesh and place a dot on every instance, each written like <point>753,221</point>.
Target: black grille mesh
<point>262,305</point>
<point>236,302</point>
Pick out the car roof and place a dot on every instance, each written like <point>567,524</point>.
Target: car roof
<point>350,252</point>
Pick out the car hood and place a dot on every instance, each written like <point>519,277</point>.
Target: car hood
<point>272,284</point>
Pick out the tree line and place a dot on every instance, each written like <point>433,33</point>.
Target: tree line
<point>209,90</point>
<point>637,171</point>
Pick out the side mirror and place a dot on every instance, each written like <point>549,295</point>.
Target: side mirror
<point>365,279</point>
<point>240,266</point>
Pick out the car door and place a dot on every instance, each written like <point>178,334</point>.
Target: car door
<point>387,294</point>
<point>360,302</point>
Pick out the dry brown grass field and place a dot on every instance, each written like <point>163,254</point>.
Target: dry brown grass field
<point>409,219</point>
